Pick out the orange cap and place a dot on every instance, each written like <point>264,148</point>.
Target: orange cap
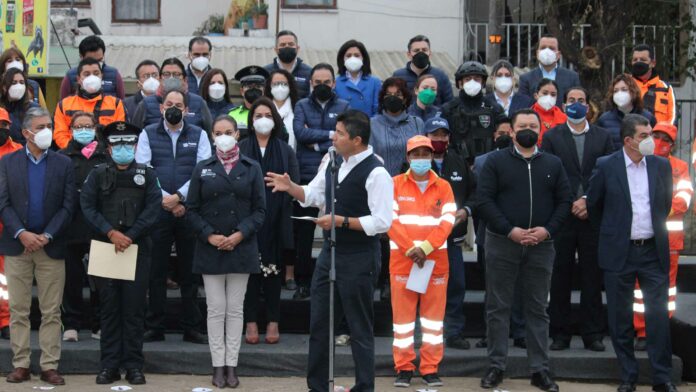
<point>667,128</point>
<point>418,141</point>
<point>4,116</point>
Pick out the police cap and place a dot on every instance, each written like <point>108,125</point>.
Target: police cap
<point>252,74</point>
<point>121,132</point>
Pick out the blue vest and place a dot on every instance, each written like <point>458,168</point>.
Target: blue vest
<point>108,79</point>
<point>173,172</point>
<point>154,116</point>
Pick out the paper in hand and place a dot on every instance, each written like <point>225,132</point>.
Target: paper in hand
<point>106,263</point>
<point>307,218</point>
<point>419,278</point>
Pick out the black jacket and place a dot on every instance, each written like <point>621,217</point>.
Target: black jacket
<point>516,192</point>
<point>457,172</point>
<point>221,203</point>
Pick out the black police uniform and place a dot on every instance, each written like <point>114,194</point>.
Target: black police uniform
<point>128,201</point>
<point>248,74</point>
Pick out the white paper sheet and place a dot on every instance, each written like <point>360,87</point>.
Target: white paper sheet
<point>106,263</point>
<point>419,278</point>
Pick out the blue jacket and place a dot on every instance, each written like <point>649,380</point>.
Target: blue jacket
<point>173,172</point>
<point>131,104</point>
<point>388,137</point>
<point>312,125</point>
<point>565,79</point>
<point>611,122</point>
<point>35,89</point>
<point>148,112</point>
<point>219,108</point>
<point>16,111</point>
<point>364,96</point>
<point>193,86</point>
<point>444,86</point>
<point>519,101</point>
<point>108,79</point>
<point>302,74</point>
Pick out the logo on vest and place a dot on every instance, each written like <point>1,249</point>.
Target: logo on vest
<point>333,115</point>
<point>484,120</point>
<point>139,179</point>
<point>207,173</point>
<point>189,144</point>
<point>455,177</point>
<point>406,198</point>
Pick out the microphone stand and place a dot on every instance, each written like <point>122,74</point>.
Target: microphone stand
<point>332,271</point>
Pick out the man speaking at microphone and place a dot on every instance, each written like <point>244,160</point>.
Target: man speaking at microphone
<point>363,202</point>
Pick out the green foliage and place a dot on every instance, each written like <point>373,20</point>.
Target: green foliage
<point>214,24</point>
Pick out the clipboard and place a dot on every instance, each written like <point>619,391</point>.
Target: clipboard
<point>105,262</point>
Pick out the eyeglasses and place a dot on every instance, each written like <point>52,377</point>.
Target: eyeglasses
<point>252,85</point>
<point>280,84</point>
<point>172,74</point>
<point>116,140</point>
<point>150,75</point>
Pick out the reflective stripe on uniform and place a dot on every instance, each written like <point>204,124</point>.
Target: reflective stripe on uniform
<point>393,245</point>
<point>395,206</point>
<point>403,343</point>
<point>639,308</point>
<point>424,220</point>
<point>404,328</point>
<point>418,243</point>
<point>432,339</point>
<point>431,324</point>
<point>675,226</point>
<point>447,218</point>
<point>684,185</point>
<point>671,306</point>
<point>449,207</point>
<point>3,280</point>
<point>684,195</point>
<point>672,291</point>
<point>637,294</point>
<point>4,294</point>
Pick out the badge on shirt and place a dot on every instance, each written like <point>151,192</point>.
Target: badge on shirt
<point>208,173</point>
<point>485,120</point>
<point>455,177</point>
<point>139,179</point>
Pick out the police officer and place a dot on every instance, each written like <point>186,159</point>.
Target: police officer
<point>472,120</point>
<point>122,199</point>
<point>252,80</point>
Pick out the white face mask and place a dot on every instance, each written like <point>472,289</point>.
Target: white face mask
<point>15,64</point>
<point>43,138</point>
<point>503,84</point>
<point>647,146</point>
<point>280,92</point>
<point>353,64</point>
<point>547,57</point>
<point>16,91</point>
<point>263,125</point>
<point>150,85</point>
<point>216,91</point>
<point>92,84</point>
<point>225,143</point>
<point>200,63</point>
<point>622,98</point>
<point>472,88</point>
<point>546,101</point>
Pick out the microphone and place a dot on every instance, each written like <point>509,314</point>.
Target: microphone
<point>332,158</point>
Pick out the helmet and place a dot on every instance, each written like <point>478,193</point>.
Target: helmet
<point>471,68</point>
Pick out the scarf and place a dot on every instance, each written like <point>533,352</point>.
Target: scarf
<point>228,159</point>
<point>89,149</point>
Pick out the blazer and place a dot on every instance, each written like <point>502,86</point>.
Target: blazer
<point>565,79</point>
<point>609,207</point>
<point>59,201</point>
<point>559,142</point>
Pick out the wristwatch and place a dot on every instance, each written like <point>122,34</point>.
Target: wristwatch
<point>346,223</point>
<point>181,196</point>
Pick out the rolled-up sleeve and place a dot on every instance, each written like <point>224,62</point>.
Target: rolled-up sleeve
<point>380,200</point>
<point>315,191</point>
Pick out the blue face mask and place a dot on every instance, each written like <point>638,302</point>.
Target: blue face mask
<point>123,154</point>
<point>83,136</point>
<point>576,112</point>
<point>420,166</point>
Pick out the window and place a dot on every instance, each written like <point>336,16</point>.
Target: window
<point>309,4</point>
<point>68,3</point>
<point>135,11</point>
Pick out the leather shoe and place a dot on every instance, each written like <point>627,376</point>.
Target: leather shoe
<point>108,376</point>
<point>52,377</point>
<point>520,342</point>
<point>18,375</point>
<point>135,376</point>
<point>194,336</point>
<point>543,381</point>
<point>5,333</point>
<point>492,379</point>
<point>668,387</point>
<point>301,293</point>
<point>626,387</point>
<point>597,346</point>
<point>153,336</point>
<point>232,379</point>
<point>559,344</point>
<point>458,342</point>
<point>219,377</point>
<point>641,344</point>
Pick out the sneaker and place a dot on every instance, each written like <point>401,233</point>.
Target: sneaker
<point>432,380</point>
<point>96,335</point>
<point>403,379</point>
<point>342,340</point>
<point>70,335</point>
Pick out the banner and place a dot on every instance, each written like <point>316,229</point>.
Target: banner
<point>24,25</point>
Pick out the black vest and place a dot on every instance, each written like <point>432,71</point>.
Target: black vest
<point>351,201</point>
<point>121,194</point>
<point>472,128</point>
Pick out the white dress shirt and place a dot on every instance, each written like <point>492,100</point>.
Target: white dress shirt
<point>379,186</point>
<point>641,226</point>
<point>288,116</point>
<point>506,108</point>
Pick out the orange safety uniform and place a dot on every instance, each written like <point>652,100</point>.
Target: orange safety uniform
<point>111,110</point>
<point>658,98</point>
<point>425,220</point>
<point>549,119</point>
<point>5,149</point>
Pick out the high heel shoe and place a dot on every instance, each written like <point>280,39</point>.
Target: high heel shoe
<point>272,333</point>
<point>252,333</point>
<point>219,377</point>
<point>232,379</point>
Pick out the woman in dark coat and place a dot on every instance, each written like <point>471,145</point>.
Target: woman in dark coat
<point>226,207</point>
<point>15,97</point>
<point>275,237</point>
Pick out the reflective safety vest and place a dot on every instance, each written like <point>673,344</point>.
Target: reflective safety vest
<point>658,99</point>
<point>681,199</point>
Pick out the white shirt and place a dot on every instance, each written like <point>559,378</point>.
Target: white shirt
<point>573,131</point>
<point>506,108</point>
<point>288,116</point>
<point>379,186</point>
<point>641,227</point>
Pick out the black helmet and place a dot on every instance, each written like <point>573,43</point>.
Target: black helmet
<point>471,68</point>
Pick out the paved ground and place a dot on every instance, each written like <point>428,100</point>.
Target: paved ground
<point>184,383</point>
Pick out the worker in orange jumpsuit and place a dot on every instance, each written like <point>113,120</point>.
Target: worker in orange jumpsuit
<point>658,95</point>
<point>665,134</point>
<point>6,146</point>
<point>424,214</point>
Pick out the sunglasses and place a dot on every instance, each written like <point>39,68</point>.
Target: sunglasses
<point>116,140</point>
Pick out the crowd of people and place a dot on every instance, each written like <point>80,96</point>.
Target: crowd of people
<point>557,186</point>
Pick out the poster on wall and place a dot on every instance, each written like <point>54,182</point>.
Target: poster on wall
<point>24,25</point>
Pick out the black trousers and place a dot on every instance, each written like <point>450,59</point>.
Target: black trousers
<point>271,295</point>
<point>75,274</point>
<point>123,315</point>
<point>576,235</point>
<point>304,240</point>
<point>355,274</point>
<point>166,231</point>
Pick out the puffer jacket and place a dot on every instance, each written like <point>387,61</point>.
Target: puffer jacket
<point>611,121</point>
<point>388,137</point>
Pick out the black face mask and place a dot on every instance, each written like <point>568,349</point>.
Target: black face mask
<point>503,141</point>
<point>526,138</point>
<point>173,115</point>
<point>393,104</point>
<point>640,68</point>
<point>4,135</point>
<point>287,55</point>
<point>421,60</point>
<point>252,95</point>
<point>322,92</point>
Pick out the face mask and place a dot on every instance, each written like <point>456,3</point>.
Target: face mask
<point>4,135</point>
<point>172,84</point>
<point>622,98</point>
<point>576,113</point>
<point>472,88</point>
<point>503,84</point>
<point>200,63</point>
<point>546,102</point>
<point>393,104</point>
<point>662,148</point>
<point>427,96</point>
<point>439,146</point>
<point>503,141</point>
<point>526,138</point>
<point>639,69</point>
<point>280,92</point>
<point>83,136</point>
<point>150,85</point>
<point>123,154</point>
<point>15,64</point>
<point>287,55</point>
<point>92,84</point>
<point>420,166</point>
<point>353,64</point>
<point>322,92</point>
<point>647,146</point>
<point>252,95</point>
<point>173,115</point>
<point>547,57</point>
<point>225,143</point>
<point>263,125</point>
<point>16,91</point>
<point>421,60</point>
<point>43,138</point>
<point>216,91</point>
